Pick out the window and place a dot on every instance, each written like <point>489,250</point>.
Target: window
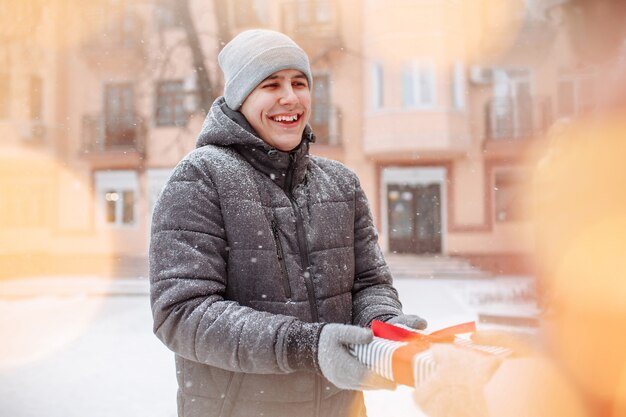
<point>510,202</point>
<point>377,86</point>
<point>418,85</point>
<point>250,12</point>
<point>575,95</point>
<point>408,88</point>
<point>117,195</point>
<point>514,113</point>
<point>5,96</point>
<point>311,12</point>
<point>36,98</point>
<point>170,104</point>
<point>119,206</point>
<point>400,214</point>
<point>121,27</point>
<point>322,108</point>
<point>458,86</point>
<point>323,12</point>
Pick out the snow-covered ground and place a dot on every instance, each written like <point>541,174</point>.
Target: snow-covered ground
<point>70,350</point>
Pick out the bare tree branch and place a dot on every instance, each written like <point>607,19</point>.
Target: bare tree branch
<point>203,78</point>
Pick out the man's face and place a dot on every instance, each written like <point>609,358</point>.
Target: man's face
<point>279,108</point>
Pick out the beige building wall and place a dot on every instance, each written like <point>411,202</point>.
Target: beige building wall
<point>439,136</point>
<point>448,35</point>
<point>46,209</point>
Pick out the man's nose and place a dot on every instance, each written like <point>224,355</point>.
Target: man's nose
<point>288,95</point>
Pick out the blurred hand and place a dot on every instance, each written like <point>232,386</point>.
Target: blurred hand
<point>339,366</point>
<point>456,389</point>
<point>409,320</point>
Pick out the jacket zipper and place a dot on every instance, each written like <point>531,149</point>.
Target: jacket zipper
<point>304,259</point>
<point>302,243</point>
<point>281,259</point>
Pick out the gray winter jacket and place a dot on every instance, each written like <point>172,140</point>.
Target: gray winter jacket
<point>252,251</point>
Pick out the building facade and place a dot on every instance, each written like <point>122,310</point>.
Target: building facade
<point>438,109</point>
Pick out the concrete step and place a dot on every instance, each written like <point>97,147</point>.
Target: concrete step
<point>433,266</point>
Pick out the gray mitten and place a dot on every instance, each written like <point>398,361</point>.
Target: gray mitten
<point>339,366</point>
<point>409,320</point>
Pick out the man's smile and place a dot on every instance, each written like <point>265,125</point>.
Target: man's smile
<point>286,119</point>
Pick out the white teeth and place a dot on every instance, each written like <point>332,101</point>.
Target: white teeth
<point>286,118</point>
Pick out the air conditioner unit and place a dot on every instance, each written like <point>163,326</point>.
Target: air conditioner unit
<point>33,131</point>
<point>481,75</point>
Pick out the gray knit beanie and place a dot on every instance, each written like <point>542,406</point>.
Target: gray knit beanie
<point>254,55</point>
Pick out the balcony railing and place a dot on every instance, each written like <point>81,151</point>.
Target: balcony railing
<point>313,24</point>
<point>326,125</point>
<point>517,118</point>
<point>109,135</point>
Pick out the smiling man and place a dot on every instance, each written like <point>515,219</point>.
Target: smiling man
<point>264,262</point>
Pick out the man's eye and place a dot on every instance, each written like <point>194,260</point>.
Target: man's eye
<point>271,85</point>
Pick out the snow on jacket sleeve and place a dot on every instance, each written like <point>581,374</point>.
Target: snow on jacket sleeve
<point>188,273</point>
<point>373,295</point>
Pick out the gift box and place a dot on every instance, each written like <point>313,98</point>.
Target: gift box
<point>403,355</point>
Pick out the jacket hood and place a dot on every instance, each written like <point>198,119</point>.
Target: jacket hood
<point>226,127</point>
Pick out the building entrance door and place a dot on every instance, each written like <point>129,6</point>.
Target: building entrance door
<point>414,218</point>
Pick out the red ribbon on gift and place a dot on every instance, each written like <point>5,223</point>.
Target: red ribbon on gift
<point>402,358</point>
